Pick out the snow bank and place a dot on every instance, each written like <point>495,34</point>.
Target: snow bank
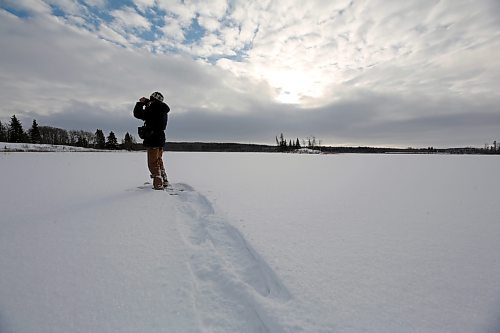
<point>306,151</point>
<point>28,147</point>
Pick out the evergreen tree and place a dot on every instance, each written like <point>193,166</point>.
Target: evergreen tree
<point>35,133</point>
<point>112,142</point>
<point>82,141</point>
<point>282,144</point>
<point>297,144</point>
<point>3,133</point>
<point>128,141</point>
<point>16,132</point>
<point>100,140</point>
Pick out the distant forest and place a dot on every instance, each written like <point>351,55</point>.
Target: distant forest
<point>14,132</point>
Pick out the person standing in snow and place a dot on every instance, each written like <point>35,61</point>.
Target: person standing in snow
<point>154,112</point>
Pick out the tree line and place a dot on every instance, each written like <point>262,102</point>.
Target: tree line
<point>14,132</point>
<point>288,144</point>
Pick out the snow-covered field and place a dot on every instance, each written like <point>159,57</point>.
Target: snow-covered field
<point>249,243</point>
<point>29,147</point>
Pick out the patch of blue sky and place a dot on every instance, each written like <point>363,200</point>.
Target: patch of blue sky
<point>145,36</point>
<point>243,53</point>
<point>16,11</point>
<point>101,13</point>
<point>105,13</point>
<point>117,4</point>
<point>57,11</point>
<point>96,15</point>
<point>156,16</point>
<point>194,32</point>
<point>157,19</point>
<point>90,17</point>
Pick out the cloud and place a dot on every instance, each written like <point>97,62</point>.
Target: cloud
<point>89,117</point>
<point>28,6</point>
<point>95,3</point>
<point>362,72</point>
<point>143,5</point>
<point>128,19</point>
<point>72,67</point>
<point>347,123</point>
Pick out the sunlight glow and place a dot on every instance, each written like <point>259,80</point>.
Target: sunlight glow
<point>294,85</point>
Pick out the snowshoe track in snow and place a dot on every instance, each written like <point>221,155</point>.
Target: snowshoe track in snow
<point>233,284</point>
<point>170,189</point>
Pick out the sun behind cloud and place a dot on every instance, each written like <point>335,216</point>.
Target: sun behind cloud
<point>293,86</point>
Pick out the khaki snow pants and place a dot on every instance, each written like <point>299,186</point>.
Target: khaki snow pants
<point>155,162</point>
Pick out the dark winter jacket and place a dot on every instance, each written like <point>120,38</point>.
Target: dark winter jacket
<point>155,116</point>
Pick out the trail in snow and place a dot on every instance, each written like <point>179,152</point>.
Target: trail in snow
<point>229,276</point>
<point>234,289</point>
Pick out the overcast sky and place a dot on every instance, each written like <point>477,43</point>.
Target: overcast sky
<point>349,72</point>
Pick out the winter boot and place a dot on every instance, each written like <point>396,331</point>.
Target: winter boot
<point>158,183</point>
<point>164,177</point>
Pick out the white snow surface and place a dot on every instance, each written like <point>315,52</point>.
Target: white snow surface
<point>306,151</point>
<point>249,243</point>
<point>30,147</point>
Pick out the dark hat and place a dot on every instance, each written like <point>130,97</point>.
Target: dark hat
<point>158,96</point>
